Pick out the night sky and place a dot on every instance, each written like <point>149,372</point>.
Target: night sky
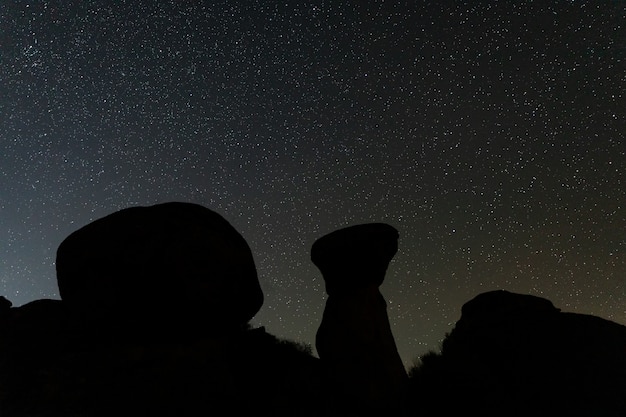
<point>492,135</point>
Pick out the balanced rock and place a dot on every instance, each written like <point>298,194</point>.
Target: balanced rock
<point>354,339</point>
<point>165,266</point>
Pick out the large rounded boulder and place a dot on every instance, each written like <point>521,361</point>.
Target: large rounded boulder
<point>168,266</point>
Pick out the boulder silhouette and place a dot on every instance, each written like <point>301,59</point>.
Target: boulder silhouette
<point>517,355</point>
<point>173,267</point>
<point>492,308</point>
<point>152,322</point>
<point>354,339</point>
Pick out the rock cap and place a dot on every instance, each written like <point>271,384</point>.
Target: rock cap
<point>355,256</point>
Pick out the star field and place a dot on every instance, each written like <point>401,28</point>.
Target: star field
<point>492,136</point>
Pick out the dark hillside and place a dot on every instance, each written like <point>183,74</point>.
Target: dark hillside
<point>49,369</point>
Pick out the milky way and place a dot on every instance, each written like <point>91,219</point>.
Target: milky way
<point>492,136</point>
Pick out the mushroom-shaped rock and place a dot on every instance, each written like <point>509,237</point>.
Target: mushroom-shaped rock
<point>354,339</point>
<point>356,256</point>
<point>167,266</point>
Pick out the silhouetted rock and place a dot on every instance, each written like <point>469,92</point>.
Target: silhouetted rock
<point>5,307</point>
<point>166,268</point>
<point>152,322</point>
<point>517,355</point>
<point>500,307</point>
<point>503,305</point>
<point>355,257</point>
<point>354,340</point>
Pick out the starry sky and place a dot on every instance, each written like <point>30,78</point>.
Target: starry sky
<point>492,135</point>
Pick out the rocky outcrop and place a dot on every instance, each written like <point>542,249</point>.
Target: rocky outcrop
<point>492,309</point>
<point>174,267</point>
<point>354,340</point>
<point>517,355</point>
<point>153,322</point>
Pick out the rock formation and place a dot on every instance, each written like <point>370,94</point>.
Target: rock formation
<point>354,340</point>
<point>152,321</point>
<point>517,355</point>
<point>159,269</point>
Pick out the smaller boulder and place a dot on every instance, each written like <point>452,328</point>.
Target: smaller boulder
<point>502,306</point>
<point>517,355</point>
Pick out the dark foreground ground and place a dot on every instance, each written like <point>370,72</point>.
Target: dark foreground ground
<point>509,354</point>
